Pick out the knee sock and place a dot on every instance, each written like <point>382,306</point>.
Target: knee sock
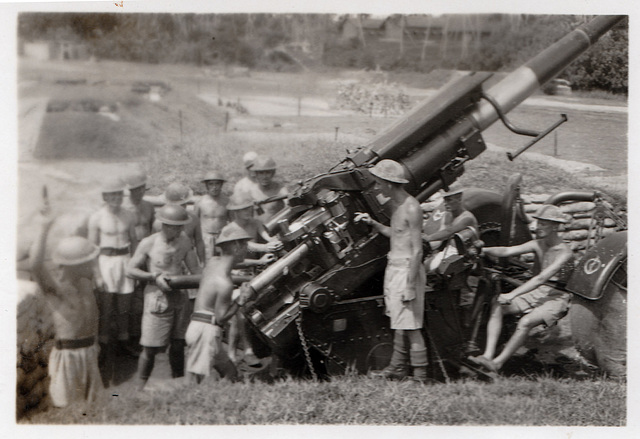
<point>176,357</point>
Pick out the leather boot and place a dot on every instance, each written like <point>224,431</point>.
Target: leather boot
<point>398,366</point>
<point>419,364</point>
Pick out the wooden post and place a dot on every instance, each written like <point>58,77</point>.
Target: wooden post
<point>180,116</point>
<point>299,105</point>
<point>226,121</point>
<point>336,136</point>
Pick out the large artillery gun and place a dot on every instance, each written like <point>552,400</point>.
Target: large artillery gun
<point>319,308</point>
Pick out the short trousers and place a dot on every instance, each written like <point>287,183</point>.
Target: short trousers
<point>204,342</point>
<point>74,375</point>
<point>113,271</point>
<point>403,315</point>
<point>544,302</point>
<point>165,316</point>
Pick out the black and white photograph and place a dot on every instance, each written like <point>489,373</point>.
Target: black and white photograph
<point>347,215</point>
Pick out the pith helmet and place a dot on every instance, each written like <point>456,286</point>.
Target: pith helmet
<point>249,158</point>
<point>136,180</point>
<point>454,189</point>
<point>232,232</point>
<point>173,215</point>
<point>214,176</point>
<point>239,202</point>
<point>262,163</point>
<point>177,193</point>
<point>75,250</point>
<point>549,212</point>
<point>389,170</point>
<point>112,184</point>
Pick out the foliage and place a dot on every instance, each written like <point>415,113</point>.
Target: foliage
<point>380,98</point>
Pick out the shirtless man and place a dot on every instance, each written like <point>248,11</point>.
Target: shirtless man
<point>166,312</point>
<point>540,303</point>
<point>404,279</point>
<point>112,228</point>
<point>144,216</point>
<point>242,211</point>
<point>212,211</point>
<point>244,185</point>
<point>73,362</point>
<point>180,195</point>
<point>455,219</point>
<point>267,187</point>
<point>204,335</point>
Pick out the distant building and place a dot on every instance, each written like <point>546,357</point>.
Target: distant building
<point>45,50</point>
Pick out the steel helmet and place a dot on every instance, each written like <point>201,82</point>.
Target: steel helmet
<point>136,180</point>
<point>177,193</point>
<point>112,184</point>
<point>75,250</point>
<point>232,232</point>
<point>389,170</point>
<point>249,158</point>
<point>549,212</point>
<point>263,163</point>
<point>454,189</point>
<point>173,214</point>
<point>239,202</point>
<point>213,176</point>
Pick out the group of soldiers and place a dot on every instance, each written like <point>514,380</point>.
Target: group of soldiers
<point>141,241</point>
<point>123,302</point>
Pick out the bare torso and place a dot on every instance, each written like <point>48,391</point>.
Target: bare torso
<point>166,256</point>
<point>216,287</point>
<point>74,310</point>
<point>111,228</point>
<point>213,213</point>
<point>259,193</point>
<point>402,239</point>
<point>143,216</point>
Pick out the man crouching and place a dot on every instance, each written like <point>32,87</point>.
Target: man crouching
<point>204,335</point>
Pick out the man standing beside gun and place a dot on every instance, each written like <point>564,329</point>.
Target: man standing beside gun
<point>404,279</point>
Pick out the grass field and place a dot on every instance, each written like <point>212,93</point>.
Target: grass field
<point>149,133</point>
<point>358,400</point>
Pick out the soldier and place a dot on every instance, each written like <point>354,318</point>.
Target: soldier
<point>404,279</point>
<point>455,219</point>
<point>73,362</point>
<point>242,212</point>
<point>204,335</point>
<point>539,304</point>
<point>267,187</point>
<point>180,195</point>
<point>112,228</point>
<point>212,211</point>
<point>144,217</point>
<point>244,185</point>
<point>166,312</point>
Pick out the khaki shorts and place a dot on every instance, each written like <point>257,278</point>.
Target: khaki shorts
<point>544,302</point>
<point>165,316</point>
<point>403,315</point>
<point>204,341</point>
<point>112,270</point>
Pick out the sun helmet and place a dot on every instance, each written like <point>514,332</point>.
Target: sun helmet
<point>549,212</point>
<point>263,163</point>
<point>232,232</point>
<point>75,250</point>
<point>177,193</point>
<point>389,170</point>
<point>173,214</point>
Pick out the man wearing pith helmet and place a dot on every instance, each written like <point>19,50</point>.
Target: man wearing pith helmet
<point>166,311</point>
<point>538,303</point>
<point>73,362</point>
<point>144,215</point>
<point>267,187</point>
<point>181,195</point>
<point>212,211</point>
<point>204,336</point>
<point>404,278</point>
<point>112,228</point>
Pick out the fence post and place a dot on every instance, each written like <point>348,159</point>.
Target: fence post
<point>180,116</point>
<point>226,121</point>
<point>299,105</point>
<point>336,136</point>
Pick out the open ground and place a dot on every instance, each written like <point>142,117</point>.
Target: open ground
<point>195,127</point>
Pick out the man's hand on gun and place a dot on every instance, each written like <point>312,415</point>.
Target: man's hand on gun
<point>363,217</point>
